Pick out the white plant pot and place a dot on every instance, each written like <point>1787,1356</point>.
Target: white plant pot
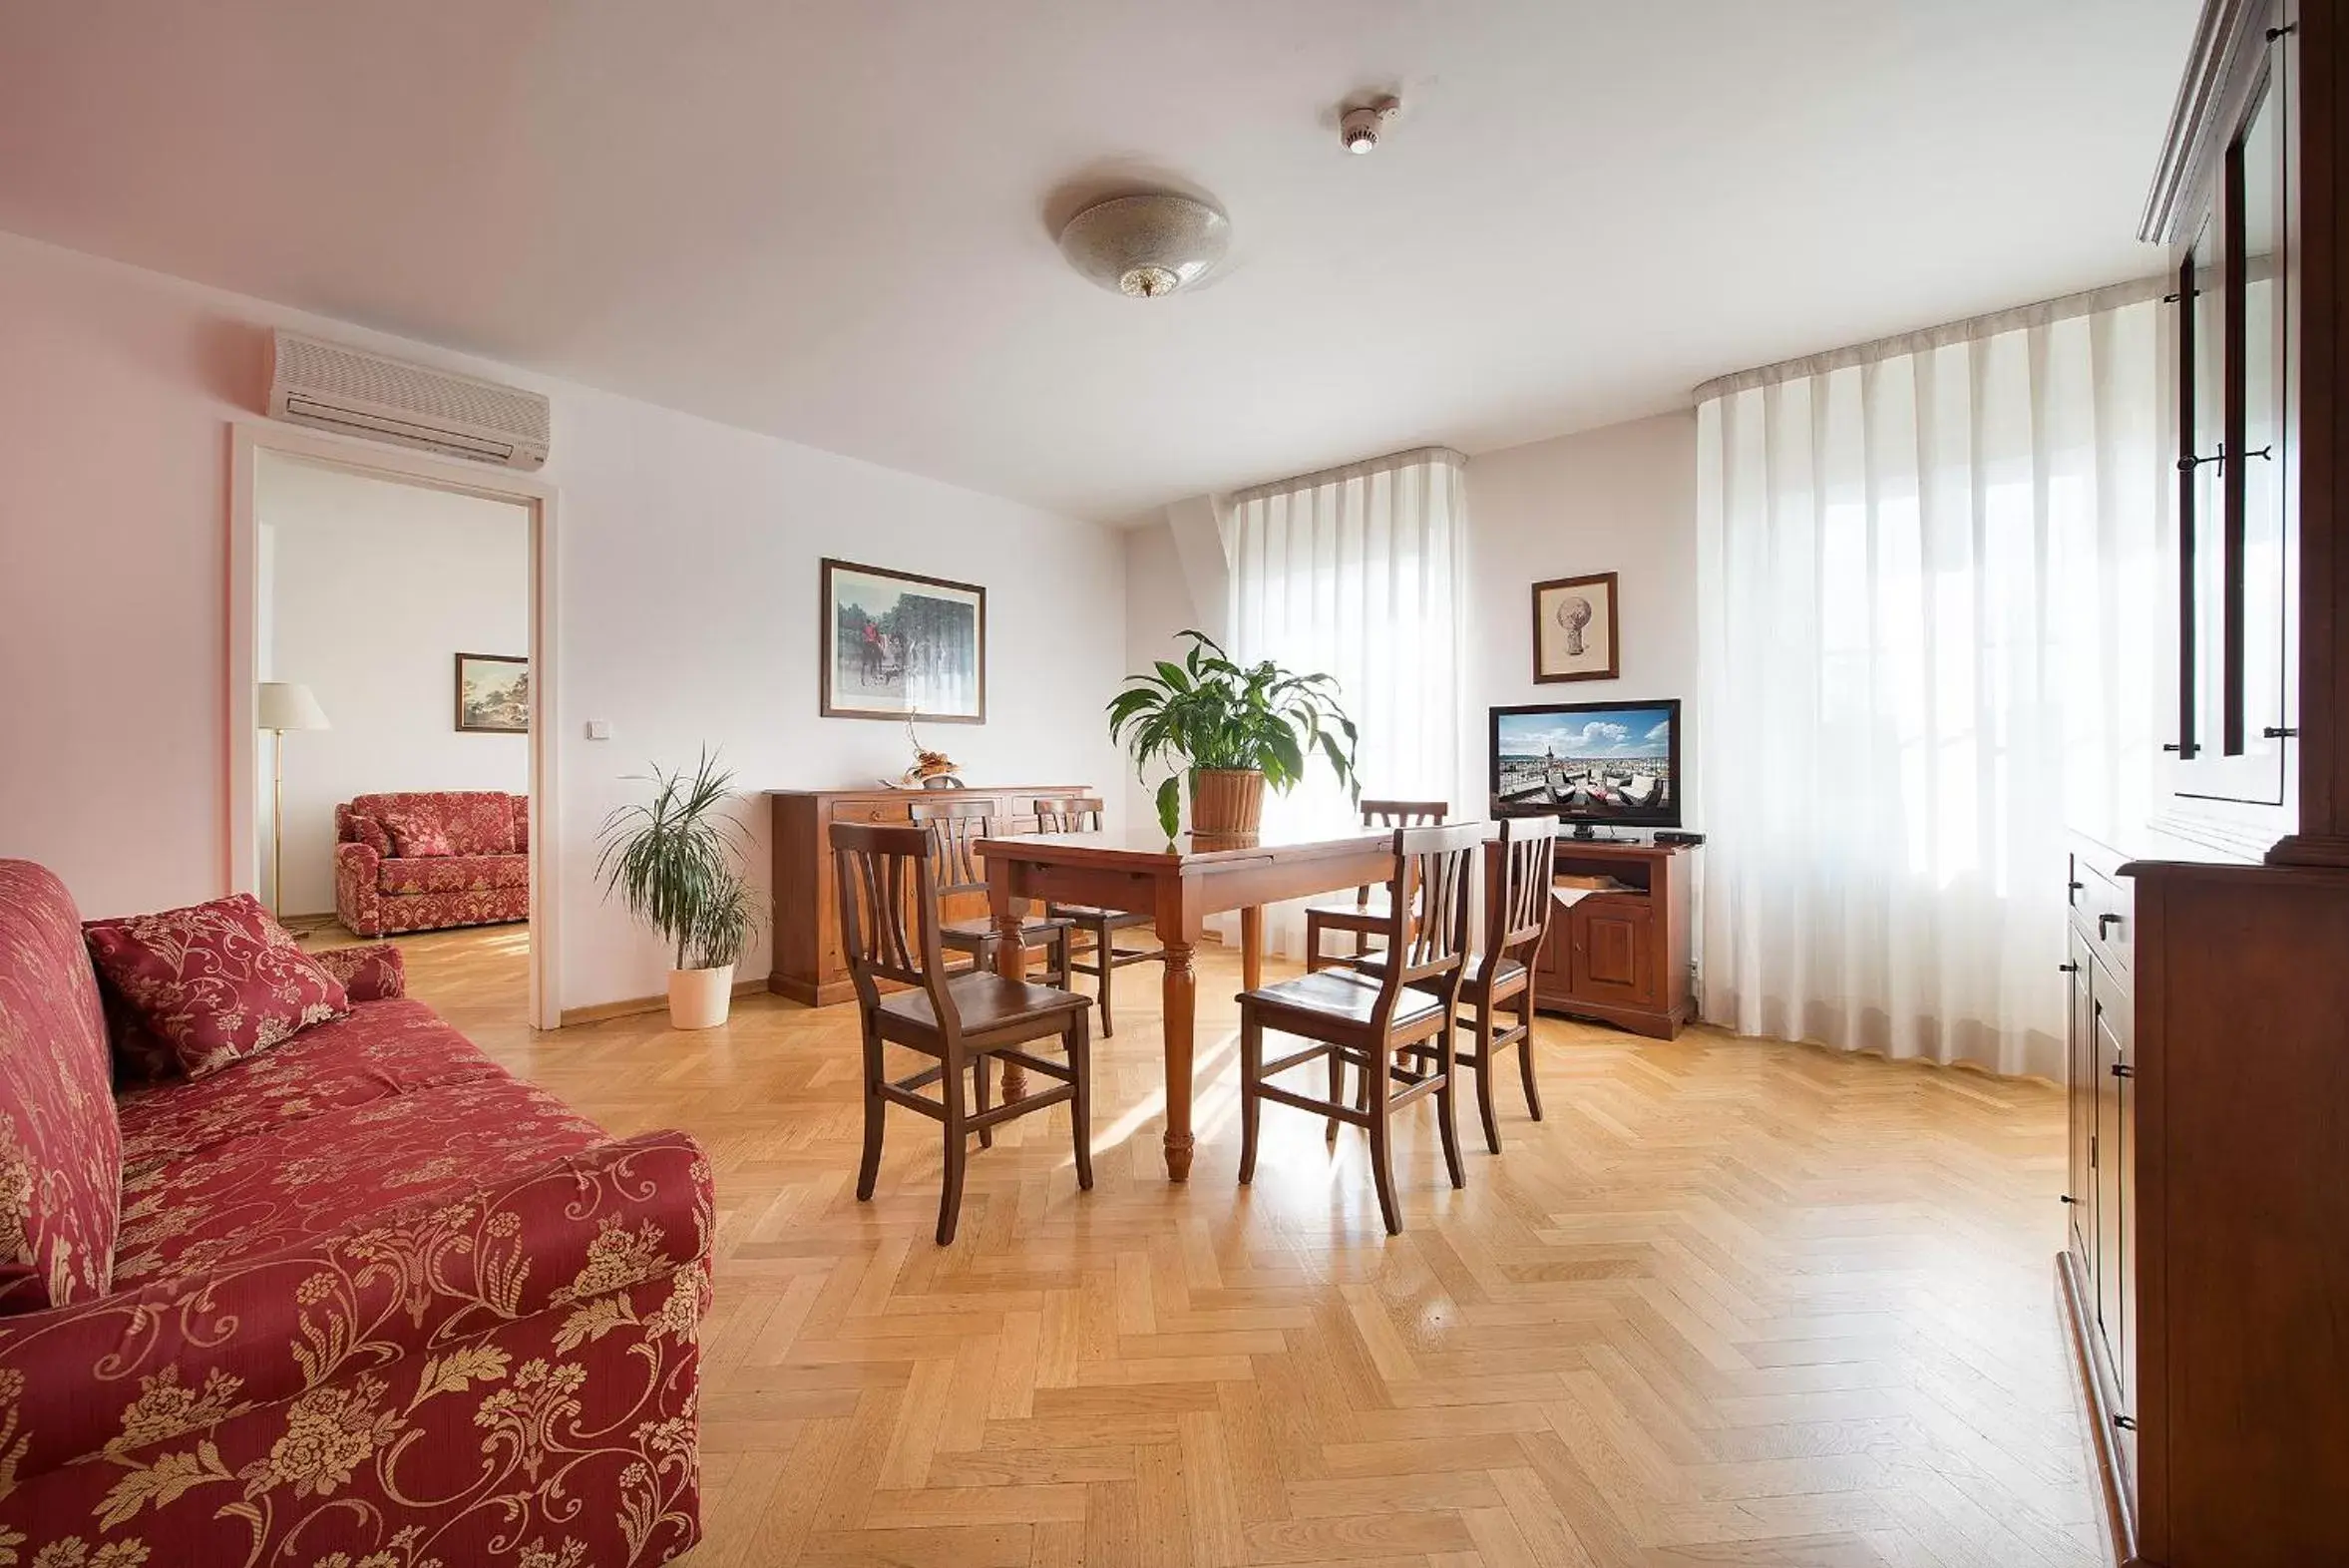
<point>699,998</point>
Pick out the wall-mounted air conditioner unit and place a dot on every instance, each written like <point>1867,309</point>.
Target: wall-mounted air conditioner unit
<point>362,394</point>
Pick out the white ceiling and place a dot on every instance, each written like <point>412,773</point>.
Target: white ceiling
<point>832,220</point>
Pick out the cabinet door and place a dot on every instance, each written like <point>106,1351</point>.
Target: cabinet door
<point>2235,665</point>
<point>2081,1091</point>
<point>2116,1185</point>
<point>1612,954</point>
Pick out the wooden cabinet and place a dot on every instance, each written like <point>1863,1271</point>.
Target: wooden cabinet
<point>2206,1267</point>
<point>1620,957</point>
<point>809,965</point>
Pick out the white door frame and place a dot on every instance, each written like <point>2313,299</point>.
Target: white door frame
<point>247,438</point>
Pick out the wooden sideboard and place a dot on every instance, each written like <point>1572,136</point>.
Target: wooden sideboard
<point>1619,957</point>
<point>808,964</point>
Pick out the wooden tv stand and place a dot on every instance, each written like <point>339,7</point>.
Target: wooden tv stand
<point>1619,957</point>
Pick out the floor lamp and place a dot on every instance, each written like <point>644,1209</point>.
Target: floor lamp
<point>283,706</point>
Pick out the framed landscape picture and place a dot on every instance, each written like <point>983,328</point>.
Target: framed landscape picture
<point>493,695</point>
<point>897,643</point>
<point>1574,629</point>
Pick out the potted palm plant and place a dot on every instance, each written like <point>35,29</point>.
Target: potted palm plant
<point>1228,731</point>
<point>675,861</point>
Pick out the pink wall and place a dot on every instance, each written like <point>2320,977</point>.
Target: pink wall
<point>114,461</point>
<point>688,590</point>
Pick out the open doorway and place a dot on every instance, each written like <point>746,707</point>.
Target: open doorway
<point>397,704</point>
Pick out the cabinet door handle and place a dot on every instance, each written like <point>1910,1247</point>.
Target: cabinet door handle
<point>2278,732</point>
<point>2065,1197</point>
<point>2067,969</point>
<point>2122,1070</point>
<point>2127,1423</point>
<point>2106,922</point>
<point>2175,745</point>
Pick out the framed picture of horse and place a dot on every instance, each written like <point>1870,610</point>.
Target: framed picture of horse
<point>899,643</point>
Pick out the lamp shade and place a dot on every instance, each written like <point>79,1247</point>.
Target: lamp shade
<point>286,705</point>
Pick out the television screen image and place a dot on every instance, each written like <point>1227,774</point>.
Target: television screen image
<point>1588,762</point>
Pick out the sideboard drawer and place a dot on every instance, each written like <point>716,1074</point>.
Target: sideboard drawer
<point>2104,907</point>
<point>884,811</point>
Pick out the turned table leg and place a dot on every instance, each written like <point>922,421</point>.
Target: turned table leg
<point>1011,915</point>
<point>1181,991</point>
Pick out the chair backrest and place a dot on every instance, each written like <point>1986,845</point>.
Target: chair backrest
<point>1400,814</point>
<point>889,913</point>
<point>1518,888</point>
<point>1405,813</point>
<point>1067,814</point>
<point>1434,872</point>
<point>955,827</point>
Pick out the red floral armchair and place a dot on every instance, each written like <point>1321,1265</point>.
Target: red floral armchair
<point>371,1299</point>
<point>428,860</point>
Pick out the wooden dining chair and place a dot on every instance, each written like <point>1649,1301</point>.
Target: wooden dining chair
<point>1082,814</point>
<point>1366,917</point>
<point>956,827</point>
<point>1355,1021</point>
<point>1518,907</point>
<point>962,1022</point>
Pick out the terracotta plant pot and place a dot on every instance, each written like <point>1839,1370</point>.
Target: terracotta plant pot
<point>700,999</point>
<point>1226,803</point>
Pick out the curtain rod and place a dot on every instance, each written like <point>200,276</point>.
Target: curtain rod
<point>1971,331</point>
<point>1328,476</point>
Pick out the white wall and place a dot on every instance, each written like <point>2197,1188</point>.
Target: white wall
<point>686,587</point>
<point>1178,575</point>
<point>1621,499</point>
<point>376,589</point>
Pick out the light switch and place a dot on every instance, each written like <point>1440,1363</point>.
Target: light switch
<point>599,729</point>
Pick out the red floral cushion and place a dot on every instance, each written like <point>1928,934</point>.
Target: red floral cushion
<point>60,1150</point>
<point>357,826</point>
<point>219,981</point>
<point>140,1055</point>
<point>268,1189</point>
<point>382,1050</point>
<point>416,832</point>
<point>475,820</point>
<point>454,874</point>
<point>370,972</point>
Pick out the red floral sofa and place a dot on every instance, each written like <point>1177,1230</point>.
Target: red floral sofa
<point>364,1298</point>
<point>426,860</point>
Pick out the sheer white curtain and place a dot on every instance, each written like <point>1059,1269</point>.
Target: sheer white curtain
<point>1356,571</point>
<point>1923,572</point>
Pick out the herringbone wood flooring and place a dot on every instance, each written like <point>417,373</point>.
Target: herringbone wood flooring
<point>1730,1302</point>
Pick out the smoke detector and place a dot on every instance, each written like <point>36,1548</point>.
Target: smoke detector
<point>1358,129</point>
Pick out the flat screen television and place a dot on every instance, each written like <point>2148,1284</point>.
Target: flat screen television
<point>1595,764</point>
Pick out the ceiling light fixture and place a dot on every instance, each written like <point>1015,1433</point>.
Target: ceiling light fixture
<point>1146,245</point>
<point>1358,129</point>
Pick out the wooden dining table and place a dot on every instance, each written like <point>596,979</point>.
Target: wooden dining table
<point>1178,885</point>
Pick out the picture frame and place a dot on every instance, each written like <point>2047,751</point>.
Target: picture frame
<point>898,645</point>
<point>493,695</point>
<point>1577,632</point>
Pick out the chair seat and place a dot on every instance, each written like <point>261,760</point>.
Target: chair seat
<point>1342,994</point>
<point>1506,979</point>
<point>988,1001</point>
<point>979,930</point>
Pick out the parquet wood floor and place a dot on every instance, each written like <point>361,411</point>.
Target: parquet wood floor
<point>1732,1303</point>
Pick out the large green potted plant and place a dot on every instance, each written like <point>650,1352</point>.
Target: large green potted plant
<point>1228,731</point>
<point>675,862</point>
